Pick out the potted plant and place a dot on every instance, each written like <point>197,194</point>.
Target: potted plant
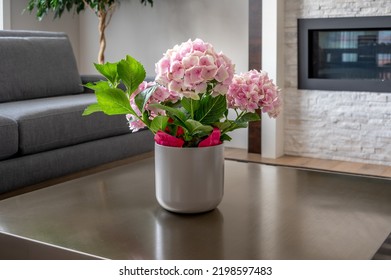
<point>186,107</point>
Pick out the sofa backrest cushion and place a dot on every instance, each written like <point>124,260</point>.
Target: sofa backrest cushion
<point>36,64</point>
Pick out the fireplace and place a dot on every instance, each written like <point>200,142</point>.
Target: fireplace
<point>345,54</point>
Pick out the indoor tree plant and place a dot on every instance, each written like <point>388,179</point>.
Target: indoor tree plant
<point>186,107</point>
<point>103,9</point>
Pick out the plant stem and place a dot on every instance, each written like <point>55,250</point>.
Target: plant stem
<point>102,39</point>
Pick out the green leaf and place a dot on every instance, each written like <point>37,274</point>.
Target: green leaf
<point>229,125</point>
<point>243,121</point>
<point>223,126</point>
<point>225,137</point>
<point>197,128</point>
<point>159,123</point>
<point>190,105</point>
<point>173,112</point>
<point>211,109</point>
<point>59,6</point>
<point>131,72</point>
<point>114,101</point>
<point>237,125</point>
<point>109,71</point>
<point>93,108</point>
<point>100,85</point>
<point>249,117</point>
<point>142,98</point>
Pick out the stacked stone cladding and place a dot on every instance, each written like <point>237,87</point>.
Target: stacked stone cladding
<point>339,125</point>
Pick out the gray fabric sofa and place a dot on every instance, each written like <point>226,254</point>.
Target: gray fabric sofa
<point>43,134</point>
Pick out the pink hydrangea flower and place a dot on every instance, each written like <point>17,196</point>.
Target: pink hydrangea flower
<point>135,124</point>
<point>254,90</point>
<point>160,95</point>
<point>189,68</point>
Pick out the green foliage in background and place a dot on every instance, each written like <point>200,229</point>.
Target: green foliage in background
<point>103,9</point>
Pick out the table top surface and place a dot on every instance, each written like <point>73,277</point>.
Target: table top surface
<point>267,212</point>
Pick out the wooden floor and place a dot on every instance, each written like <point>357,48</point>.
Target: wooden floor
<point>313,163</point>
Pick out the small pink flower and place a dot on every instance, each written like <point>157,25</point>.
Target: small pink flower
<point>160,95</point>
<point>212,140</point>
<point>175,86</point>
<point>162,66</point>
<point>207,60</point>
<point>200,88</point>
<point>222,74</point>
<point>194,75</point>
<point>220,89</point>
<point>190,61</point>
<point>199,45</point>
<point>209,72</point>
<point>134,123</point>
<point>184,48</point>
<point>166,139</point>
<point>177,70</point>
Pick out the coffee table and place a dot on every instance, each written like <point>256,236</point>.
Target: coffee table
<point>268,212</point>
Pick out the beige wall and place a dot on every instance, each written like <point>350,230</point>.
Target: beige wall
<point>146,32</point>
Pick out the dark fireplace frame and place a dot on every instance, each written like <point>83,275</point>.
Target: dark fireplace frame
<point>337,24</point>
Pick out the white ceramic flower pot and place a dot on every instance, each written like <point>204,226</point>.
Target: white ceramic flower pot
<point>189,180</point>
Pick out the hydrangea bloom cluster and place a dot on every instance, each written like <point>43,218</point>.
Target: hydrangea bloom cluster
<point>191,67</point>
<point>254,90</point>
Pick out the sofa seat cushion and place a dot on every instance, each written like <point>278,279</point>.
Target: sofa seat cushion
<point>55,122</point>
<point>35,66</point>
<point>8,137</point>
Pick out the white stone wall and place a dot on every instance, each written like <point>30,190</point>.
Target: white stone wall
<point>351,126</point>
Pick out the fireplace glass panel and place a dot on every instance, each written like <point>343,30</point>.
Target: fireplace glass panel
<point>350,54</point>
<point>345,54</point>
